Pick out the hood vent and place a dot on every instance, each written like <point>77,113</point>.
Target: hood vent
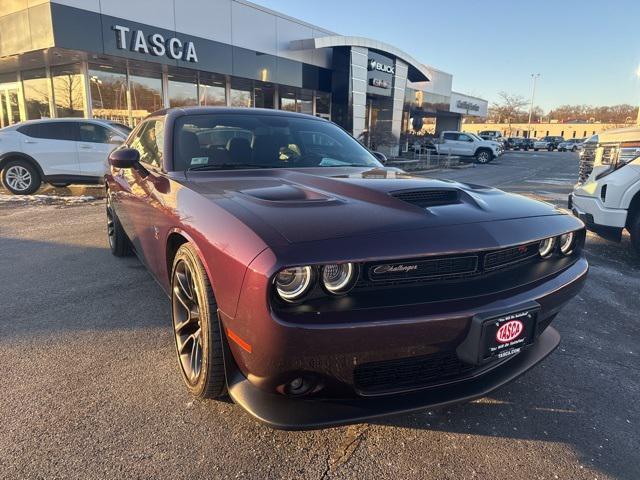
<point>425,198</point>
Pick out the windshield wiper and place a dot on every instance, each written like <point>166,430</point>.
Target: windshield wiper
<point>228,166</point>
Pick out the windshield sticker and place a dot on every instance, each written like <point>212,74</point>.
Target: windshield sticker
<point>199,160</point>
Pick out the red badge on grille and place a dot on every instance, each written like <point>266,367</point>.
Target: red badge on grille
<point>509,331</point>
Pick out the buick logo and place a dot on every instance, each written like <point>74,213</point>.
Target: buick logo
<point>509,331</point>
<point>381,67</point>
<point>381,269</point>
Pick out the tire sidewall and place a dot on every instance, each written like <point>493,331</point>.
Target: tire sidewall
<point>187,254</point>
<point>481,159</point>
<point>35,177</point>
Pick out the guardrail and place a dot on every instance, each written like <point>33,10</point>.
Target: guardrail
<point>423,161</point>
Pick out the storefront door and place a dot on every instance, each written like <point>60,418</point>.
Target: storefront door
<point>11,110</point>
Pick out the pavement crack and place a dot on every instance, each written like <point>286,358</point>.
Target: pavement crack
<point>352,439</point>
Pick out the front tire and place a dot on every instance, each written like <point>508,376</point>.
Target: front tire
<point>483,156</point>
<point>196,327</point>
<point>21,177</point>
<point>550,149</point>
<point>119,243</point>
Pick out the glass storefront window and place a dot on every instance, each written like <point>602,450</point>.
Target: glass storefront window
<point>305,102</point>
<point>212,90</point>
<point>288,99</point>
<point>264,95</point>
<point>241,93</point>
<point>183,90</point>
<point>35,86</point>
<point>146,95</point>
<point>68,91</point>
<point>323,104</point>
<point>109,93</point>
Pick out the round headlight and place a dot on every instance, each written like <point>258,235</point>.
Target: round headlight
<point>546,247</point>
<point>293,283</point>
<point>566,243</point>
<point>338,278</point>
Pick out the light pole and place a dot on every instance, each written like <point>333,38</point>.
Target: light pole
<point>534,77</point>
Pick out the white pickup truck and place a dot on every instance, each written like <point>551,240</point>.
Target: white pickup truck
<point>608,200</point>
<point>465,144</point>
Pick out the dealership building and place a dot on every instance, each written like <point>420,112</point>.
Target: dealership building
<point>122,60</point>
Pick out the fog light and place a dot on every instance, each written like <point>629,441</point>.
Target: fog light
<point>566,243</point>
<point>299,386</point>
<point>546,247</point>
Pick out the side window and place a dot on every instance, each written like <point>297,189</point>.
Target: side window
<point>450,136</point>
<point>51,130</point>
<point>91,132</point>
<point>150,142</point>
<point>464,138</point>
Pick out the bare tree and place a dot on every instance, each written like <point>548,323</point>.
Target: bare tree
<point>509,108</point>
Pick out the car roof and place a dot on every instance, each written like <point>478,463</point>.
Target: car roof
<point>66,119</point>
<point>181,111</point>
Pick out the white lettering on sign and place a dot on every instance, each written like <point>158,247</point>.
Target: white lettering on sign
<point>154,44</point>
<point>381,67</point>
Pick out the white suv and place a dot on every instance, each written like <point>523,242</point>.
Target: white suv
<point>57,151</point>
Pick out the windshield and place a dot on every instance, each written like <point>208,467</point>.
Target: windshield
<point>474,136</point>
<point>121,127</point>
<point>228,141</point>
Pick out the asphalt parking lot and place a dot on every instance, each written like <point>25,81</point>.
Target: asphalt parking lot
<point>91,388</point>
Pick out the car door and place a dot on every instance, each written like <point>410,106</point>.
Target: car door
<point>139,205</point>
<point>53,145</point>
<point>450,140</point>
<point>465,145</point>
<point>95,143</point>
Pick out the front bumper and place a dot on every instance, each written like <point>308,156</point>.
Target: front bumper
<point>298,414</point>
<point>595,215</point>
<point>333,350</point>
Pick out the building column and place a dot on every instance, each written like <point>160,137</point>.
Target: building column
<point>358,81</point>
<point>399,88</point>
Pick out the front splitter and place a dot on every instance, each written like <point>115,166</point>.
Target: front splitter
<point>289,413</point>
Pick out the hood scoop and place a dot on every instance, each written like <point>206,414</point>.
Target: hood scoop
<point>428,197</point>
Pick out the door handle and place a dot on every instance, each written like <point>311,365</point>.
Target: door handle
<point>30,141</point>
<point>85,147</point>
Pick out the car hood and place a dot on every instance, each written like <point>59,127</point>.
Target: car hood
<point>321,203</point>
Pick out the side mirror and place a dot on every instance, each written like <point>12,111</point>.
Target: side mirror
<point>382,158</point>
<point>124,158</point>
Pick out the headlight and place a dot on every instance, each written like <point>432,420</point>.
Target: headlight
<point>338,278</point>
<point>566,243</point>
<point>293,283</point>
<point>546,247</point>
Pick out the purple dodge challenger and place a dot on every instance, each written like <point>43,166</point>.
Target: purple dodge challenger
<point>316,287</point>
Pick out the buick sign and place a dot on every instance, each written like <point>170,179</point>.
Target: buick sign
<point>155,44</point>
<point>381,67</point>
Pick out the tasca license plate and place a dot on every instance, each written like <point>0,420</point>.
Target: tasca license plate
<point>507,335</point>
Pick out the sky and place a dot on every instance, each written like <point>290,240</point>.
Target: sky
<point>586,52</point>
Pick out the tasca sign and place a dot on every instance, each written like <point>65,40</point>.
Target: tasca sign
<point>381,67</point>
<point>154,44</point>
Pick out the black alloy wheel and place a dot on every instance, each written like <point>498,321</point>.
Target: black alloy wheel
<point>119,243</point>
<point>196,328</point>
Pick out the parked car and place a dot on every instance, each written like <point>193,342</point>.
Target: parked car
<point>517,143</point>
<point>495,135</point>
<point>570,145</point>
<point>59,152</point>
<point>318,287</point>
<point>553,141</point>
<point>542,144</point>
<point>467,145</point>
<point>608,201</point>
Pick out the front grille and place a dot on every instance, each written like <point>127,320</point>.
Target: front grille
<point>587,158</point>
<point>409,373</point>
<point>421,269</point>
<point>509,256</point>
<point>443,268</point>
<point>425,198</point>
